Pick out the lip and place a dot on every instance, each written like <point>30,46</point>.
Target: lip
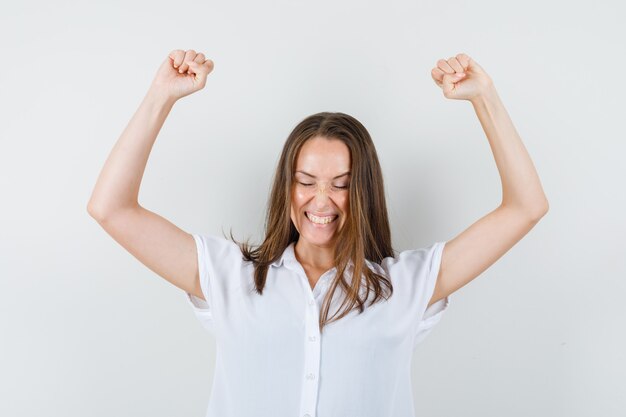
<point>329,225</point>
<point>321,214</point>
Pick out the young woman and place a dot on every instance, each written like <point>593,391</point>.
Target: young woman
<point>278,351</point>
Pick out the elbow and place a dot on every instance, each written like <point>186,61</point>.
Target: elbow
<point>102,212</point>
<point>93,211</point>
<point>539,210</point>
<point>97,211</point>
<point>532,210</point>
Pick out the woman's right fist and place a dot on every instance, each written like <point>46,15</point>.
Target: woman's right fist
<point>182,73</point>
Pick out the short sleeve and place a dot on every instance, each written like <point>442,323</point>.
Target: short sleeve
<point>431,315</point>
<point>218,259</point>
<point>414,273</point>
<point>200,307</point>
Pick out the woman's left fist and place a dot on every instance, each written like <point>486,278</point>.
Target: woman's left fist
<point>461,78</point>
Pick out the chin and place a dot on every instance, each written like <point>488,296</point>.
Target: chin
<point>324,236</point>
<point>318,240</point>
<point>318,235</point>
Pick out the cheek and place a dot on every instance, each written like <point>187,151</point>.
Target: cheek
<point>343,203</point>
<point>299,198</point>
<point>300,195</point>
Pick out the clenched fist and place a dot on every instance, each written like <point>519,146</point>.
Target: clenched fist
<point>461,78</point>
<point>182,73</point>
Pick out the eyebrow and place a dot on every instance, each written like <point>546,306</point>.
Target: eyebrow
<point>313,176</point>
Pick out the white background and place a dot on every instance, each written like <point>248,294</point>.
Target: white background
<point>87,330</point>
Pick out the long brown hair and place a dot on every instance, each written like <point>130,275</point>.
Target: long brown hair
<point>365,234</point>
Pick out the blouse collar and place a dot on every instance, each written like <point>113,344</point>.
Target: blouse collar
<point>289,258</point>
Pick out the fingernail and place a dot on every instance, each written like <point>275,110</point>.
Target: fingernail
<point>459,75</point>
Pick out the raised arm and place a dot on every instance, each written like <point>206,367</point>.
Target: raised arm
<point>523,200</point>
<point>153,240</point>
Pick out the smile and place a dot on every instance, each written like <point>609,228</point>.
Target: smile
<point>320,220</point>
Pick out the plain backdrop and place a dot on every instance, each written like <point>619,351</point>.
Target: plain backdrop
<point>87,330</point>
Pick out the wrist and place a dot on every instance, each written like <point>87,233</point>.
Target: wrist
<point>487,95</point>
<point>159,97</point>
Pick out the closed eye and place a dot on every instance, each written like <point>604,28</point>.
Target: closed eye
<point>335,186</point>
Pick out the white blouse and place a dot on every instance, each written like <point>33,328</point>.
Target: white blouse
<point>271,359</point>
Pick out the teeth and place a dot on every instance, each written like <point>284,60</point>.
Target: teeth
<point>320,220</point>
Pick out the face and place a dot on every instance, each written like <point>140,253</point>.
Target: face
<point>319,197</point>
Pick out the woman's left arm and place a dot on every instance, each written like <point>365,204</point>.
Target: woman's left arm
<point>521,187</point>
<point>523,201</point>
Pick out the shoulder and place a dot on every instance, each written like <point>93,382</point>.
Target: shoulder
<point>216,245</point>
<point>413,262</point>
<point>217,253</point>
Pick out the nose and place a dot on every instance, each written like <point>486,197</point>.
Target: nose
<point>321,195</point>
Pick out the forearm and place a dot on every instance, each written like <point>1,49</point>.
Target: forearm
<point>118,184</point>
<point>521,186</point>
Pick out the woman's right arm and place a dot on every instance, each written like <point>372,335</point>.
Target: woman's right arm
<point>153,240</point>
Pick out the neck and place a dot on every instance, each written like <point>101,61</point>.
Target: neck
<point>319,257</point>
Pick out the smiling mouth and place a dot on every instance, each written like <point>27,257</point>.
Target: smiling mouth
<point>320,220</point>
